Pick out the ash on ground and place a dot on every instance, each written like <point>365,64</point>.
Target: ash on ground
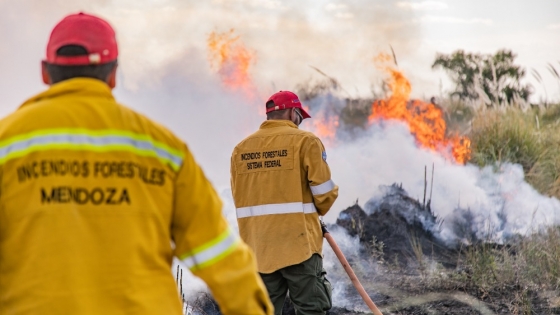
<point>404,227</point>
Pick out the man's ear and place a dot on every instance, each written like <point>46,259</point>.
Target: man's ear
<point>112,78</point>
<point>45,73</point>
<point>294,116</point>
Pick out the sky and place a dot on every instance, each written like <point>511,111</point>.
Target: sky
<point>165,73</point>
<point>288,37</point>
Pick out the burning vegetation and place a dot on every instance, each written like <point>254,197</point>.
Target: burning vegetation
<point>232,61</point>
<point>425,120</point>
<point>399,253</point>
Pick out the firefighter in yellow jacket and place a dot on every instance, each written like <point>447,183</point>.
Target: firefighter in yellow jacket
<point>281,184</point>
<point>96,199</point>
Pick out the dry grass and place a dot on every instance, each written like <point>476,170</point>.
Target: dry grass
<point>523,269</point>
<point>520,270</point>
<point>529,138</point>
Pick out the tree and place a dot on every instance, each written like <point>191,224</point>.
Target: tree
<point>493,78</point>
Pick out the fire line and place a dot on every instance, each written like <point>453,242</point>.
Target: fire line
<point>425,120</point>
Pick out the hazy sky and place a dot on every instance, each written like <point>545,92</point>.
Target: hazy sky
<point>338,37</point>
<point>165,73</point>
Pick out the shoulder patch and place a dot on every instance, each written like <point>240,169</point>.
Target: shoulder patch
<point>324,156</point>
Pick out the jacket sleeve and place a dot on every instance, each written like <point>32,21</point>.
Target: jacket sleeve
<point>323,189</point>
<point>232,173</point>
<point>210,249</point>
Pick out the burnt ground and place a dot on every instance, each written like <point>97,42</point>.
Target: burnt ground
<point>401,223</point>
<point>407,270</point>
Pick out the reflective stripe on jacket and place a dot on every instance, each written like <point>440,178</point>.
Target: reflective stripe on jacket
<point>92,195</point>
<point>281,183</point>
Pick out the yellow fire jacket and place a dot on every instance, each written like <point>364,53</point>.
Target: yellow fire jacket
<point>95,200</point>
<point>281,183</point>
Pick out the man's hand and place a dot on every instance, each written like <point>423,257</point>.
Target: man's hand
<point>323,227</point>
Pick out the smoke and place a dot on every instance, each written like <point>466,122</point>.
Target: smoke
<point>336,274</point>
<point>494,202</point>
<point>288,36</point>
<point>164,69</point>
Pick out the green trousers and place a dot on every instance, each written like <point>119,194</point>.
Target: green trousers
<point>309,290</point>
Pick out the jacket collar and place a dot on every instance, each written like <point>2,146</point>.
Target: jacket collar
<point>277,123</point>
<point>77,87</point>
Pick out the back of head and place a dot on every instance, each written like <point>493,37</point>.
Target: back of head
<point>80,45</point>
<point>279,103</point>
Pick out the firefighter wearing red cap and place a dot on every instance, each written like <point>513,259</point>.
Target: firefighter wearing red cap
<point>96,199</point>
<point>281,184</point>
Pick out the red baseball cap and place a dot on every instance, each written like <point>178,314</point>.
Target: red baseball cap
<point>286,99</point>
<point>88,31</point>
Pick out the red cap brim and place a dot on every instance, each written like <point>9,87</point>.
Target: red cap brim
<point>304,113</point>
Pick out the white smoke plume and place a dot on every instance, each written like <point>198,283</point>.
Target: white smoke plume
<point>498,198</point>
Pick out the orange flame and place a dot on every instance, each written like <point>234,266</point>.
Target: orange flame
<point>232,60</point>
<point>324,125</point>
<point>425,120</point>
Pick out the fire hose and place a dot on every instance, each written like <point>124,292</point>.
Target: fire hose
<point>349,271</point>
